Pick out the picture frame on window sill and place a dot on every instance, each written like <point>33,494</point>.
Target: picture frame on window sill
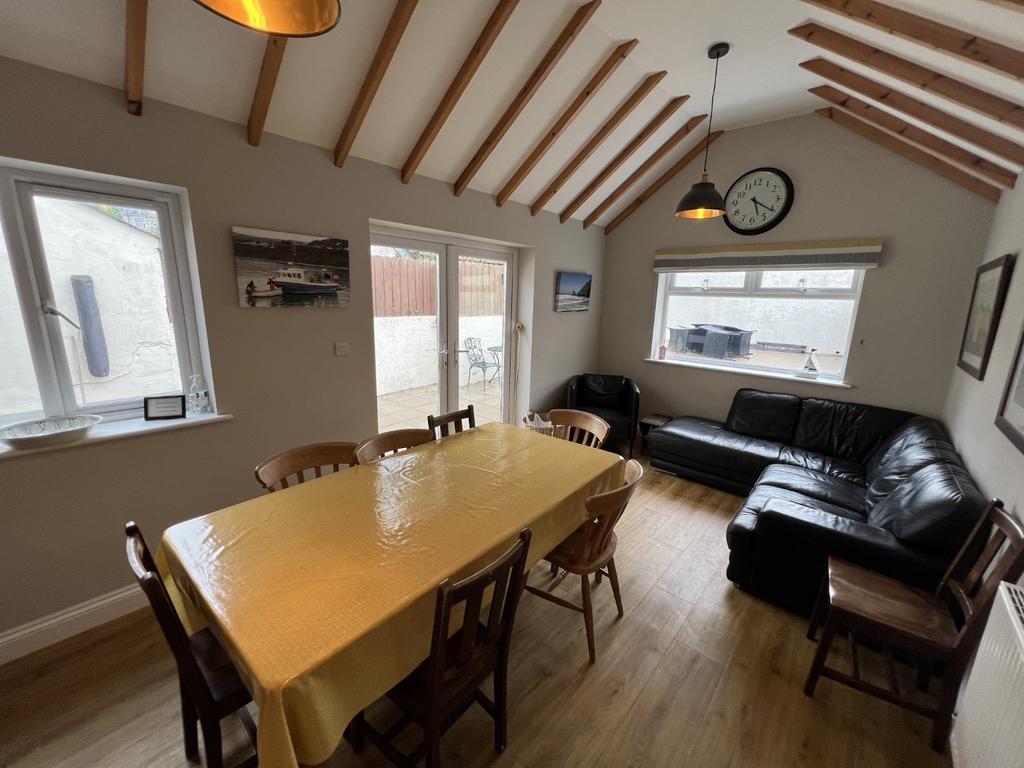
<point>163,407</point>
<point>991,284</point>
<point>1010,417</point>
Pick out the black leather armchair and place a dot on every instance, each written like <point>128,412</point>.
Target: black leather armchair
<point>616,399</point>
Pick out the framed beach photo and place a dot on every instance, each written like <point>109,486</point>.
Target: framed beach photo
<point>572,291</point>
<point>990,286</point>
<point>283,269</point>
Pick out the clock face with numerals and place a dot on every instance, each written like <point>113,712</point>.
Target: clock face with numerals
<point>758,200</point>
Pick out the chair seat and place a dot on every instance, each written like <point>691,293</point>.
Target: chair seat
<point>229,693</point>
<point>889,603</point>
<point>569,554</point>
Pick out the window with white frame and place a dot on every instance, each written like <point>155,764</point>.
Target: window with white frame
<point>97,307</point>
<point>794,321</point>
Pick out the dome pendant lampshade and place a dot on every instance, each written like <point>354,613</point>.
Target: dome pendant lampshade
<point>703,201</point>
<point>288,18</point>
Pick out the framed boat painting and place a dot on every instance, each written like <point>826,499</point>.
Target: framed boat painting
<point>990,286</point>
<point>1010,419</point>
<point>282,269</point>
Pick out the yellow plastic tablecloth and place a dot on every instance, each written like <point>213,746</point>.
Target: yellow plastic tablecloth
<point>323,593</point>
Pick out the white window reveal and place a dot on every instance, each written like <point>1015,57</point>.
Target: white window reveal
<point>97,303</point>
<point>776,309</point>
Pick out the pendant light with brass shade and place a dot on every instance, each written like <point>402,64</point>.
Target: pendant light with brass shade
<point>286,18</point>
<point>703,201</point>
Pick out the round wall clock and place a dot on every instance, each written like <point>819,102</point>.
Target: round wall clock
<point>758,200</point>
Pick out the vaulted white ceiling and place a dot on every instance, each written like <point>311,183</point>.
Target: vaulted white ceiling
<point>199,61</point>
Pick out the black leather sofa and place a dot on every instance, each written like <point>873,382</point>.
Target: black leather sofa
<point>616,399</point>
<point>881,488</point>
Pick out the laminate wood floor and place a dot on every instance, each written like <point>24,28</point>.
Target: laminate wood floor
<point>697,674</point>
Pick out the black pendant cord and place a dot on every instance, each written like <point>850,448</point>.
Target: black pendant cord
<point>711,116</point>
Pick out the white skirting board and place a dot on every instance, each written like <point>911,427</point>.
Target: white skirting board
<point>23,640</point>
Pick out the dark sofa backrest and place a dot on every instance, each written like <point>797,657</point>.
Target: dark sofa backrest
<point>850,431</point>
<point>601,390</point>
<point>764,415</point>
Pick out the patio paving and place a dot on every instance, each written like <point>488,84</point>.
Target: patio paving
<point>409,408</point>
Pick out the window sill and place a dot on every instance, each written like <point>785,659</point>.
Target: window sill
<point>751,372</point>
<point>117,430</point>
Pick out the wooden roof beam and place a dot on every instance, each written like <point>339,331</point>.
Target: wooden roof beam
<point>644,167</point>
<point>933,34</point>
<point>599,78</point>
<point>887,121</point>
<point>926,113</point>
<point>625,153</point>
<point>374,75</point>
<point>919,76</point>
<point>661,181</point>
<point>912,153</point>
<point>475,57</point>
<point>602,133</point>
<point>134,53</point>
<point>540,73</point>
<point>273,55</point>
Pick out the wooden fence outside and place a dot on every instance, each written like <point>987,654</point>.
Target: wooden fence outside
<point>406,286</point>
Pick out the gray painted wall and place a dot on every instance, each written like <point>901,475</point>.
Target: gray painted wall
<point>972,405</point>
<point>63,511</point>
<point>911,313</point>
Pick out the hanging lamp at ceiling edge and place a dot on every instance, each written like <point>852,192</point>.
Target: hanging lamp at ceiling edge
<point>286,18</point>
<point>703,201</point>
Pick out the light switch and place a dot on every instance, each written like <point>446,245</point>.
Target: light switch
<point>341,348</point>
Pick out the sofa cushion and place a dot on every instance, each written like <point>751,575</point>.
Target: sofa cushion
<point>619,421</point>
<point>817,485</point>
<point>848,470</point>
<point>846,430</point>
<point>767,415</point>
<point>914,431</point>
<point>903,463</point>
<point>935,508</point>
<point>709,447</point>
<point>601,390</point>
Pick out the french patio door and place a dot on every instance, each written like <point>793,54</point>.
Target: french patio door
<point>442,322</point>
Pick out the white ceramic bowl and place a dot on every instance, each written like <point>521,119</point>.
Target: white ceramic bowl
<point>40,433</point>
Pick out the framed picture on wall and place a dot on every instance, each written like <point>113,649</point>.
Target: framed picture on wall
<point>1010,419</point>
<point>990,286</point>
<point>572,291</point>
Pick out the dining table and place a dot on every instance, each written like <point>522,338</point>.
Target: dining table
<point>323,593</point>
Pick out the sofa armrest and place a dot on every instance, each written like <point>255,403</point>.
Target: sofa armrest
<point>572,392</point>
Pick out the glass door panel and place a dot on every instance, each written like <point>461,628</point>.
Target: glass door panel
<point>409,338</point>
<point>482,293</point>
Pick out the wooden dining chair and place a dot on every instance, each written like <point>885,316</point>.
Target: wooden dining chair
<point>943,626</point>
<point>274,473</point>
<point>439,424</point>
<point>379,446</point>
<point>590,550</point>
<point>208,683</point>
<point>444,686</point>
<point>580,427</point>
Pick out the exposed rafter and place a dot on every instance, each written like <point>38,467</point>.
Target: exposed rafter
<point>135,53</point>
<point>667,146</point>
<point>926,113</point>
<point>909,151</point>
<point>927,79</point>
<point>887,121</point>
<point>602,133</point>
<point>375,74</point>
<point>273,55</point>
<point>522,98</point>
<point>661,181</point>
<point>599,78</point>
<point>625,153</point>
<point>475,57</point>
<point>941,37</point>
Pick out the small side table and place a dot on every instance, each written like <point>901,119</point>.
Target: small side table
<point>647,423</point>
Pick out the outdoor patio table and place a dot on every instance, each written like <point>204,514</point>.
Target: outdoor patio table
<point>323,594</point>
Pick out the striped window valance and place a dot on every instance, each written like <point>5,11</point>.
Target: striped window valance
<point>824,254</point>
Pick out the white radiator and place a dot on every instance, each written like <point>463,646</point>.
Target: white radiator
<point>989,728</point>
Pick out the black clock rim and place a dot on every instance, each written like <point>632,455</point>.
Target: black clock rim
<point>790,193</point>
